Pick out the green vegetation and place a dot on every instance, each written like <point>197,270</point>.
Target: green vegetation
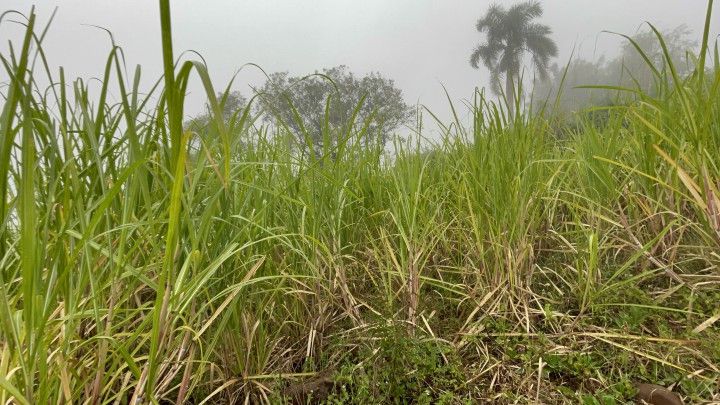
<point>142,262</point>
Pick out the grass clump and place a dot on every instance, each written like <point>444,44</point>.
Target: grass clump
<point>396,368</point>
<point>145,262</point>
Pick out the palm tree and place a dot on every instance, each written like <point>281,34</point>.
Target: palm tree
<point>510,35</point>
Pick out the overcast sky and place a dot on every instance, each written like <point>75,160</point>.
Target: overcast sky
<point>421,44</point>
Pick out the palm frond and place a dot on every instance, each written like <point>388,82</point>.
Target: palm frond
<point>541,46</point>
<point>488,53</point>
<point>493,18</point>
<point>522,13</point>
<point>475,57</point>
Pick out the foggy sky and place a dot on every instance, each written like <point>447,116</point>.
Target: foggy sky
<point>421,44</point>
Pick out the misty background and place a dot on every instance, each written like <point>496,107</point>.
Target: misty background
<point>421,45</point>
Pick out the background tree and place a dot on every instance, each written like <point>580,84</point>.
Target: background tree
<point>511,34</point>
<point>313,104</point>
<point>628,69</point>
<point>204,124</point>
<point>233,103</point>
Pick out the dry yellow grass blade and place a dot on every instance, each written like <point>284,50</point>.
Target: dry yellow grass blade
<point>707,323</point>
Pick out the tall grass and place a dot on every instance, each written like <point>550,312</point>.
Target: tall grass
<point>144,262</point>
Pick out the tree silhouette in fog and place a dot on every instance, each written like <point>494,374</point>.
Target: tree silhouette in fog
<point>510,35</point>
<point>332,102</point>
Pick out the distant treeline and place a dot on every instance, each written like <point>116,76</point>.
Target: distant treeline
<point>627,70</point>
